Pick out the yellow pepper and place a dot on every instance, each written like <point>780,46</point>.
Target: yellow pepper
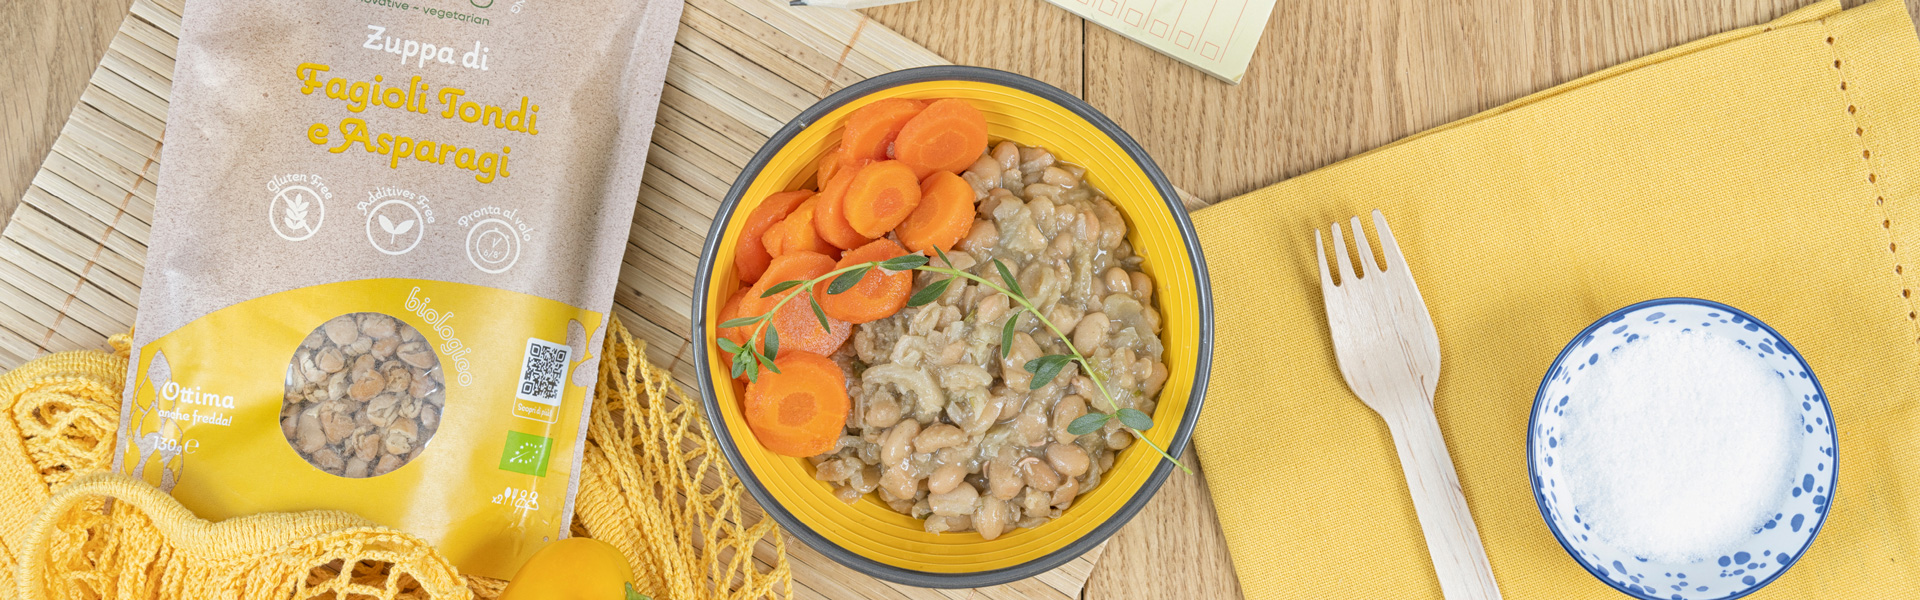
<point>574,569</point>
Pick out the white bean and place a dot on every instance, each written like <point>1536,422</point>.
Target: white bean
<point>984,236</point>
<point>937,437</point>
<point>1007,154</point>
<point>948,523</point>
<point>1034,502</point>
<point>1142,287</point>
<point>1064,315</point>
<point>1068,459</point>
<point>1117,280</point>
<point>883,411</point>
<point>1039,475</point>
<point>834,470</point>
<point>1090,333</point>
<point>1063,496</point>
<point>986,167</point>
<point>1013,367</point>
<point>1087,227</point>
<point>961,500</point>
<point>899,483</point>
<point>1064,412</point>
<point>1044,190</point>
<point>991,519</point>
<point>898,444</point>
<point>992,308</point>
<point>1030,428</point>
<point>1156,378</point>
<point>1035,158</point>
<point>1003,480</point>
<point>1011,402</point>
<point>946,478</point>
<point>1060,177</point>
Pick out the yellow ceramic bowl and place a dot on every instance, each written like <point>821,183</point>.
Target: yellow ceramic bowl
<point>866,535</point>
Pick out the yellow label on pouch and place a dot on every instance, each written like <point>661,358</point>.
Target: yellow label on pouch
<point>428,406</point>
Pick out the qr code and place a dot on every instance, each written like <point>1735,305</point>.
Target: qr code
<point>544,369</point>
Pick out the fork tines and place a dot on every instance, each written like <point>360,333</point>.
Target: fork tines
<point>1388,247</point>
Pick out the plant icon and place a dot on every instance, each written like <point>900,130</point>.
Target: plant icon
<point>404,225</point>
<point>296,212</point>
<point>394,231</point>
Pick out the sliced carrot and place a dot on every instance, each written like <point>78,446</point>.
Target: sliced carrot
<point>797,326</point>
<point>835,162</point>
<point>802,410</point>
<point>800,329</point>
<point>799,233</point>
<point>881,196</point>
<point>751,256</point>
<point>873,127</point>
<point>775,238</point>
<point>948,136</point>
<point>829,165</point>
<point>877,296</point>
<point>944,216</point>
<point>829,213</point>
<point>730,311</point>
<point>795,266</point>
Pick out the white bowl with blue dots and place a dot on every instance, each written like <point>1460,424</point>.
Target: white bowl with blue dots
<point>1773,547</point>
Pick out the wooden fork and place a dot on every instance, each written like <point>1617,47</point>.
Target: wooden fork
<point>1390,357</point>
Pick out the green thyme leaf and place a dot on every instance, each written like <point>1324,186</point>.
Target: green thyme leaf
<point>728,346</point>
<point>741,322</point>
<point>741,362</point>
<point>1135,419</point>
<point>635,595</point>
<point>753,370</point>
<point>1087,423</point>
<point>772,345</point>
<point>781,287</point>
<point>1007,278</point>
<point>943,256</point>
<point>846,280</point>
<point>819,314</point>
<point>904,262</point>
<point>928,294</point>
<point>1006,335</point>
<point>1045,368</point>
<point>766,362</point>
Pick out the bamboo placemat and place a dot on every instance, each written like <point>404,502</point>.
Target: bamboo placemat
<point>72,257</point>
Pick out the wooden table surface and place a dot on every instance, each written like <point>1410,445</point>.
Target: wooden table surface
<point>1332,78</point>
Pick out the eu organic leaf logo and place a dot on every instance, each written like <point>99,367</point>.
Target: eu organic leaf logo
<point>394,231</point>
<point>296,213</point>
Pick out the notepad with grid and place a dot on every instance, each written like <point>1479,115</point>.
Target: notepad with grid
<point>1216,36</point>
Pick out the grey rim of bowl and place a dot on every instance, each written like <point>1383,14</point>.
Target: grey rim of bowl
<point>1073,549</point>
<point>1533,479</point>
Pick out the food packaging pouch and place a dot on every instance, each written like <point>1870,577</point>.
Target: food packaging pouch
<point>383,258</point>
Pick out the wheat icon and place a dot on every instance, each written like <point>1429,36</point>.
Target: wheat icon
<point>296,213</point>
<point>394,231</point>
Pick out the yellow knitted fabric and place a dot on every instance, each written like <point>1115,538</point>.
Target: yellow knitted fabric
<point>654,486</point>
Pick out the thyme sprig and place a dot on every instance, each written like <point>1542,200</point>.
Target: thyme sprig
<point>763,346</point>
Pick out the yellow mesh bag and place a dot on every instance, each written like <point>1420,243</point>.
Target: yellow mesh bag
<point>654,486</point>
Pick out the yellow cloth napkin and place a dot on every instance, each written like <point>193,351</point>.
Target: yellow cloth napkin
<point>1773,168</point>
